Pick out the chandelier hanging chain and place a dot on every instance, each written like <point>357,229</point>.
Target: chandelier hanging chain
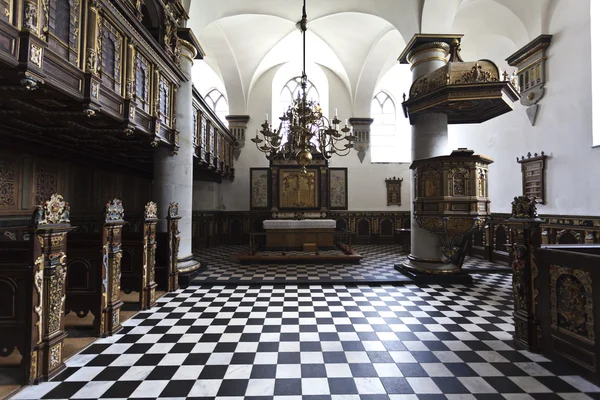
<point>303,129</point>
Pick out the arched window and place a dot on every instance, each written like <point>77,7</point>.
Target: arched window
<point>152,19</point>
<point>62,20</point>
<point>217,101</point>
<point>292,90</point>
<point>385,138</point>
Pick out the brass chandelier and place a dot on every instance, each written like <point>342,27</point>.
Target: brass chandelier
<point>303,126</point>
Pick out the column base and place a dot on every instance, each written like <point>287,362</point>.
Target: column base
<point>430,271</point>
<point>188,268</point>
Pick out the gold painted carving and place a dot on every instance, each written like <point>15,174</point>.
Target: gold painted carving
<point>95,90</point>
<point>116,275</point>
<point>115,210</point>
<point>38,282</point>
<point>54,211</point>
<point>30,15</point>
<point>115,320</point>
<point>55,355</point>
<point>477,74</point>
<point>524,207</point>
<point>150,210</point>
<point>35,55</point>
<point>57,296</point>
<point>298,190</point>
<point>34,363</point>
<point>571,302</point>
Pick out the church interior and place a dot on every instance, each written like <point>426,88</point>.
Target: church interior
<point>299,199</point>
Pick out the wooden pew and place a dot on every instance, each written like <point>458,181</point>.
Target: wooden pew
<point>139,259</point>
<point>167,274</point>
<point>32,293</point>
<point>94,272</point>
<point>568,285</point>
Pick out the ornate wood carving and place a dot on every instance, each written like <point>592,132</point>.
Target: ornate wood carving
<point>533,176</point>
<point>527,238</point>
<point>47,178</point>
<point>394,191</point>
<point>173,218</point>
<point>9,183</point>
<point>571,302</point>
<point>148,295</point>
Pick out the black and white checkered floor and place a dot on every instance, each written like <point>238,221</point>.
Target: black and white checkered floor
<point>316,342</point>
<point>377,265</point>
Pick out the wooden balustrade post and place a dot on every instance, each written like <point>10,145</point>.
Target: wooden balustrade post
<point>148,292</point>
<point>173,218</point>
<point>110,319</point>
<point>51,225</point>
<point>527,238</point>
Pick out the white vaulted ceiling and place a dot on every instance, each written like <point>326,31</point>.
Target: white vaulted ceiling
<point>358,40</point>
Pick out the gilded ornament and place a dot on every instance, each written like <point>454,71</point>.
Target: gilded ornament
<point>57,298</point>
<point>55,355</point>
<point>38,282</point>
<point>115,319</point>
<point>571,301</point>
<point>477,74</point>
<point>150,210</point>
<point>30,15</point>
<point>95,89</point>
<point>91,62</point>
<point>116,275</point>
<point>114,210</point>
<point>35,55</point>
<point>34,363</point>
<point>54,211</point>
<point>524,207</point>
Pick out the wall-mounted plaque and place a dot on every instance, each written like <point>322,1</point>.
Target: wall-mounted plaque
<point>394,191</point>
<point>532,170</point>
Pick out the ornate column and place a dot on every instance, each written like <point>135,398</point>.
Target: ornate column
<point>526,238</point>
<point>426,53</point>
<point>237,126</point>
<point>361,127</point>
<point>173,174</point>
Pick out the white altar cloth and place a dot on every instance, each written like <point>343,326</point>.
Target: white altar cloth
<point>299,224</point>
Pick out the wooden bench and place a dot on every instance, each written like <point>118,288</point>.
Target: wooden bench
<point>139,259</point>
<point>94,272</point>
<point>32,293</point>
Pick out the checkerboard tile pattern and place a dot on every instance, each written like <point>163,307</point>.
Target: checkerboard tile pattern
<point>377,265</point>
<point>317,342</point>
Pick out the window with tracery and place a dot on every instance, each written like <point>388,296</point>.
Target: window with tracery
<point>388,141</point>
<point>217,101</point>
<point>290,92</point>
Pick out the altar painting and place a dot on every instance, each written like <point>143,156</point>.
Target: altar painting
<point>298,190</point>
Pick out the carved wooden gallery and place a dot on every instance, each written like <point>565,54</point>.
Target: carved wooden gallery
<point>90,91</point>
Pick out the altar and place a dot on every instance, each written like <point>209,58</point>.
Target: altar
<point>294,234</point>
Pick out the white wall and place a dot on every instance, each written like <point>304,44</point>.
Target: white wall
<point>563,129</point>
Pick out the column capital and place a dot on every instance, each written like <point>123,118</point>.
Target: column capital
<point>238,126</point>
<point>187,41</point>
<point>433,42</point>
<point>361,128</point>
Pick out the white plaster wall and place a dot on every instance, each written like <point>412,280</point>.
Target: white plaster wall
<point>563,129</point>
<point>206,196</point>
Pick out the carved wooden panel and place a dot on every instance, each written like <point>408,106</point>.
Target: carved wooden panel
<point>533,176</point>
<point>47,178</point>
<point>9,183</point>
<point>112,60</point>
<point>394,191</point>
